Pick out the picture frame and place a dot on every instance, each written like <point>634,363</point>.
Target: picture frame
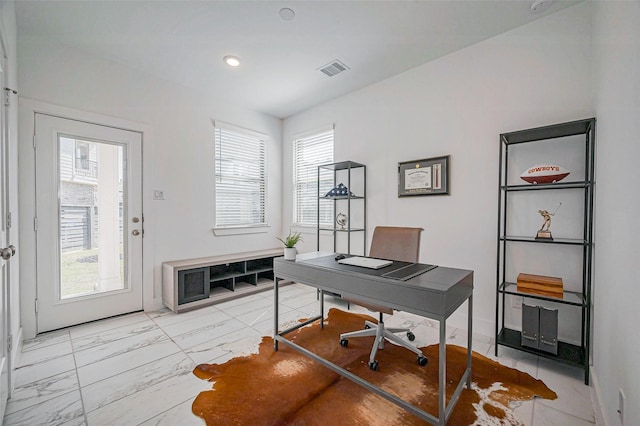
<point>428,176</point>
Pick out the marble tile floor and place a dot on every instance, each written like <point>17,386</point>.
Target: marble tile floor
<point>137,369</point>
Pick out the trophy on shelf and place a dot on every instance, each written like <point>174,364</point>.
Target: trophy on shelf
<point>342,219</point>
<point>544,233</point>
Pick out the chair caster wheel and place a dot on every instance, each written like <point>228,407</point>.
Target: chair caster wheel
<point>373,366</point>
<point>422,360</point>
<point>411,336</point>
<point>344,343</point>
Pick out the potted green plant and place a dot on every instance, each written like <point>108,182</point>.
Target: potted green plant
<point>290,244</point>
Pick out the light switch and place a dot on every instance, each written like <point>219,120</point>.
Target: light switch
<point>158,194</point>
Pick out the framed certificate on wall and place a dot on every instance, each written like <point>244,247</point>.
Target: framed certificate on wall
<point>429,176</point>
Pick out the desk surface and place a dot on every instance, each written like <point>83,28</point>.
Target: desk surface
<point>434,294</point>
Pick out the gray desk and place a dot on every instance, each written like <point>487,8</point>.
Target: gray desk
<point>436,294</point>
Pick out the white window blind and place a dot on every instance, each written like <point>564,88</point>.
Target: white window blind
<point>240,178</point>
<point>310,152</point>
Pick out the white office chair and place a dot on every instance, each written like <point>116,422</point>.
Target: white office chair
<point>390,243</point>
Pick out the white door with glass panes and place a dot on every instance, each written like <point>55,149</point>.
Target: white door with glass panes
<point>89,221</point>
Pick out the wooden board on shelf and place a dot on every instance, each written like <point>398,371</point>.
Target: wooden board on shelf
<point>540,284</point>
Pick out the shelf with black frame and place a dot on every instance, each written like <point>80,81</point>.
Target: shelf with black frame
<point>355,175</point>
<point>543,141</point>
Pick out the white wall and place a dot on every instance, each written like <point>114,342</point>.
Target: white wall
<point>458,105</point>
<point>178,155</point>
<point>616,40</point>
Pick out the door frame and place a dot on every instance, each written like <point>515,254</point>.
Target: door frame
<point>117,297</point>
<point>7,193</point>
<point>151,292</point>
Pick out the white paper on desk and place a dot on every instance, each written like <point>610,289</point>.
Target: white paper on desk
<point>365,262</point>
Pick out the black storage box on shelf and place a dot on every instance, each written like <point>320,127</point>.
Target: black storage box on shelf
<point>193,284</point>
<point>548,330</point>
<point>530,326</point>
<point>540,328</point>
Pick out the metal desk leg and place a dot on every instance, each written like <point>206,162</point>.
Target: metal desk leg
<point>275,313</point>
<point>469,339</point>
<point>321,308</point>
<point>442,374</point>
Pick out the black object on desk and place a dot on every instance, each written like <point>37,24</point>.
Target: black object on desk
<point>407,272</point>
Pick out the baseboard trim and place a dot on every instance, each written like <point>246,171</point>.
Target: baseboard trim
<point>154,305</point>
<point>595,398</point>
<point>480,326</point>
<point>15,360</point>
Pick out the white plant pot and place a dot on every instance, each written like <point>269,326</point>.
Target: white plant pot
<point>290,253</point>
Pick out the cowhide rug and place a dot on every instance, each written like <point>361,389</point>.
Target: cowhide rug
<point>287,388</point>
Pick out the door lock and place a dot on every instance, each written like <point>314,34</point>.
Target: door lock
<point>7,252</point>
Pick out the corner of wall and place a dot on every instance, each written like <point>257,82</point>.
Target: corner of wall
<point>595,398</point>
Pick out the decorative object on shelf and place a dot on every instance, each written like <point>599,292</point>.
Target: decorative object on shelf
<point>544,233</point>
<point>342,220</point>
<point>429,176</point>
<point>544,173</point>
<point>339,191</point>
<point>540,328</point>
<point>540,284</point>
<point>290,245</point>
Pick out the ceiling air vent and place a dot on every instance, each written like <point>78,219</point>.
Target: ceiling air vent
<point>333,68</point>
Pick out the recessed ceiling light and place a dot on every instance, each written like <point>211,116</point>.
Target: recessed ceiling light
<point>287,14</point>
<point>232,61</point>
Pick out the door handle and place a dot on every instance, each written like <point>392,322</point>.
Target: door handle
<point>7,252</point>
<point>135,232</point>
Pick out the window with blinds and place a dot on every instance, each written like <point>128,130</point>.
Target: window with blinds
<point>240,177</point>
<point>310,152</point>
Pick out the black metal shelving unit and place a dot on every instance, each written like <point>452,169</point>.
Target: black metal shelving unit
<point>341,170</point>
<point>568,353</point>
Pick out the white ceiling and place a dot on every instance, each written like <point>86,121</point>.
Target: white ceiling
<point>185,41</point>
